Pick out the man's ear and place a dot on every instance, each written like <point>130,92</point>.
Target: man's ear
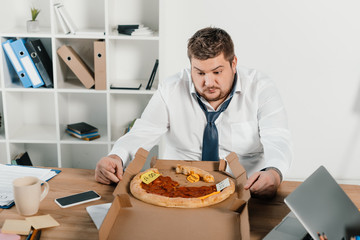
<point>233,63</point>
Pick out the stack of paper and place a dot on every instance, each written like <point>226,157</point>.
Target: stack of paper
<point>8,173</point>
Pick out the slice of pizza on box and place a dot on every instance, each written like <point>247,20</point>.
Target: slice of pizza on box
<point>199,197</point>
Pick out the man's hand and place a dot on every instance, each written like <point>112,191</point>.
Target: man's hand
<point>263,184</point>
<point>109,169</point>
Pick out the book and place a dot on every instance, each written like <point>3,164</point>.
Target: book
<point>22,159</point>
<point>67,19</point>
<point>82,128</point>
<point>152,75</point>
<point>135,30</point>
<point>41,60</point>
<point>88,138</point>
<point>8,173</point>
<point>130,126</point>
<point>63,25</point>
<point>129,86</point>
<point>125,27</point>
<point>75,134</point>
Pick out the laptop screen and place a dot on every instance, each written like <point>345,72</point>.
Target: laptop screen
<point>322,206</point>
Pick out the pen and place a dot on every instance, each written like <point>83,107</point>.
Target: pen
<point>30,234</point>
<point>34,233</point>
<point>37,237</point>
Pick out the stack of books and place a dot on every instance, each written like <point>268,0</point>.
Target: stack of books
<point>83,131</point>
<point>135,30</point>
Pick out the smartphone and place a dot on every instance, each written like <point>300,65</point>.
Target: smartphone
<point>77,199</point>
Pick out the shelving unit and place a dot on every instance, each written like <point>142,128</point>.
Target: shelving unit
<point>34,120</point>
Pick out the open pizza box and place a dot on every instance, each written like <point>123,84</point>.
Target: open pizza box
<point>130,218</point>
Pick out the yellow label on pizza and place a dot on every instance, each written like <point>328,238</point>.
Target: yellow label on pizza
<point>206,196</point>
<point>150,176</point>
<point>193,177</point>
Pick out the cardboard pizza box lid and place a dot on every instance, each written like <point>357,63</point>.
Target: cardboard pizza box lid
<point>131,218</point>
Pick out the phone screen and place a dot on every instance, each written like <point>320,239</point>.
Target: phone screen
<point>76,199</point>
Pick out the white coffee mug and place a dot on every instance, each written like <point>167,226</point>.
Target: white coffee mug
<point>28,194</point>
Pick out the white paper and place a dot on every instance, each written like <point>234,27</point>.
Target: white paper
<point>223,184</point>
<point>8,173</point>
<point>98,213</point>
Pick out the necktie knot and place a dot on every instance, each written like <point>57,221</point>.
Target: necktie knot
<point>212,116</point>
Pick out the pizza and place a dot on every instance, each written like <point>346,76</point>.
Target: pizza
<point>165,192</point>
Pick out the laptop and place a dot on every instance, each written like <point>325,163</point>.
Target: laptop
<point>318,205</point>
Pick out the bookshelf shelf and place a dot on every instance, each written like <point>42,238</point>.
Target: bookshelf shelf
<point>35,119</point>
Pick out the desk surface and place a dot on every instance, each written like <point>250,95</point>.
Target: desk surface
<point>75,223</point>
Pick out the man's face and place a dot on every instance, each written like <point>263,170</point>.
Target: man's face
<point>213,78</point>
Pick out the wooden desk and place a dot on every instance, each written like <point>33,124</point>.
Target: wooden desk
<point>75,223</point>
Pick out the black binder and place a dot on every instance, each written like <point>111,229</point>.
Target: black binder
<point>41,60</point>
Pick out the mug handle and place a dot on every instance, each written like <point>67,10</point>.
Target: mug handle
<point>45,191</point>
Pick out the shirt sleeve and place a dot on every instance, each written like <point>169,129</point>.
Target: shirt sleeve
<point>146,131</point>
<point>273,126</point>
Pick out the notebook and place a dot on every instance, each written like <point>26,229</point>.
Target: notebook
<point>318,205</point>
<point>10,172</point>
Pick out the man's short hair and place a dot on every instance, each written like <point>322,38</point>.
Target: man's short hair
<point>210,42</point>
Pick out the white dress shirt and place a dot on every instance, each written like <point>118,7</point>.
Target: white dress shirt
<point>254,125</point>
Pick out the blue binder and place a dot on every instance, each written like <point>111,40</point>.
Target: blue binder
<point>23,55</point>
<point>16,64</point>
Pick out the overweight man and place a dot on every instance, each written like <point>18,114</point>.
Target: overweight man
<point>208,111</point>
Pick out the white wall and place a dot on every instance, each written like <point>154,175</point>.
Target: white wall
<point>311,48</point>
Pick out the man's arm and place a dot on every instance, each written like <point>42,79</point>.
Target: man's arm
<point>109,170</point>
<point>275,138</point>
<point>146,131</point>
